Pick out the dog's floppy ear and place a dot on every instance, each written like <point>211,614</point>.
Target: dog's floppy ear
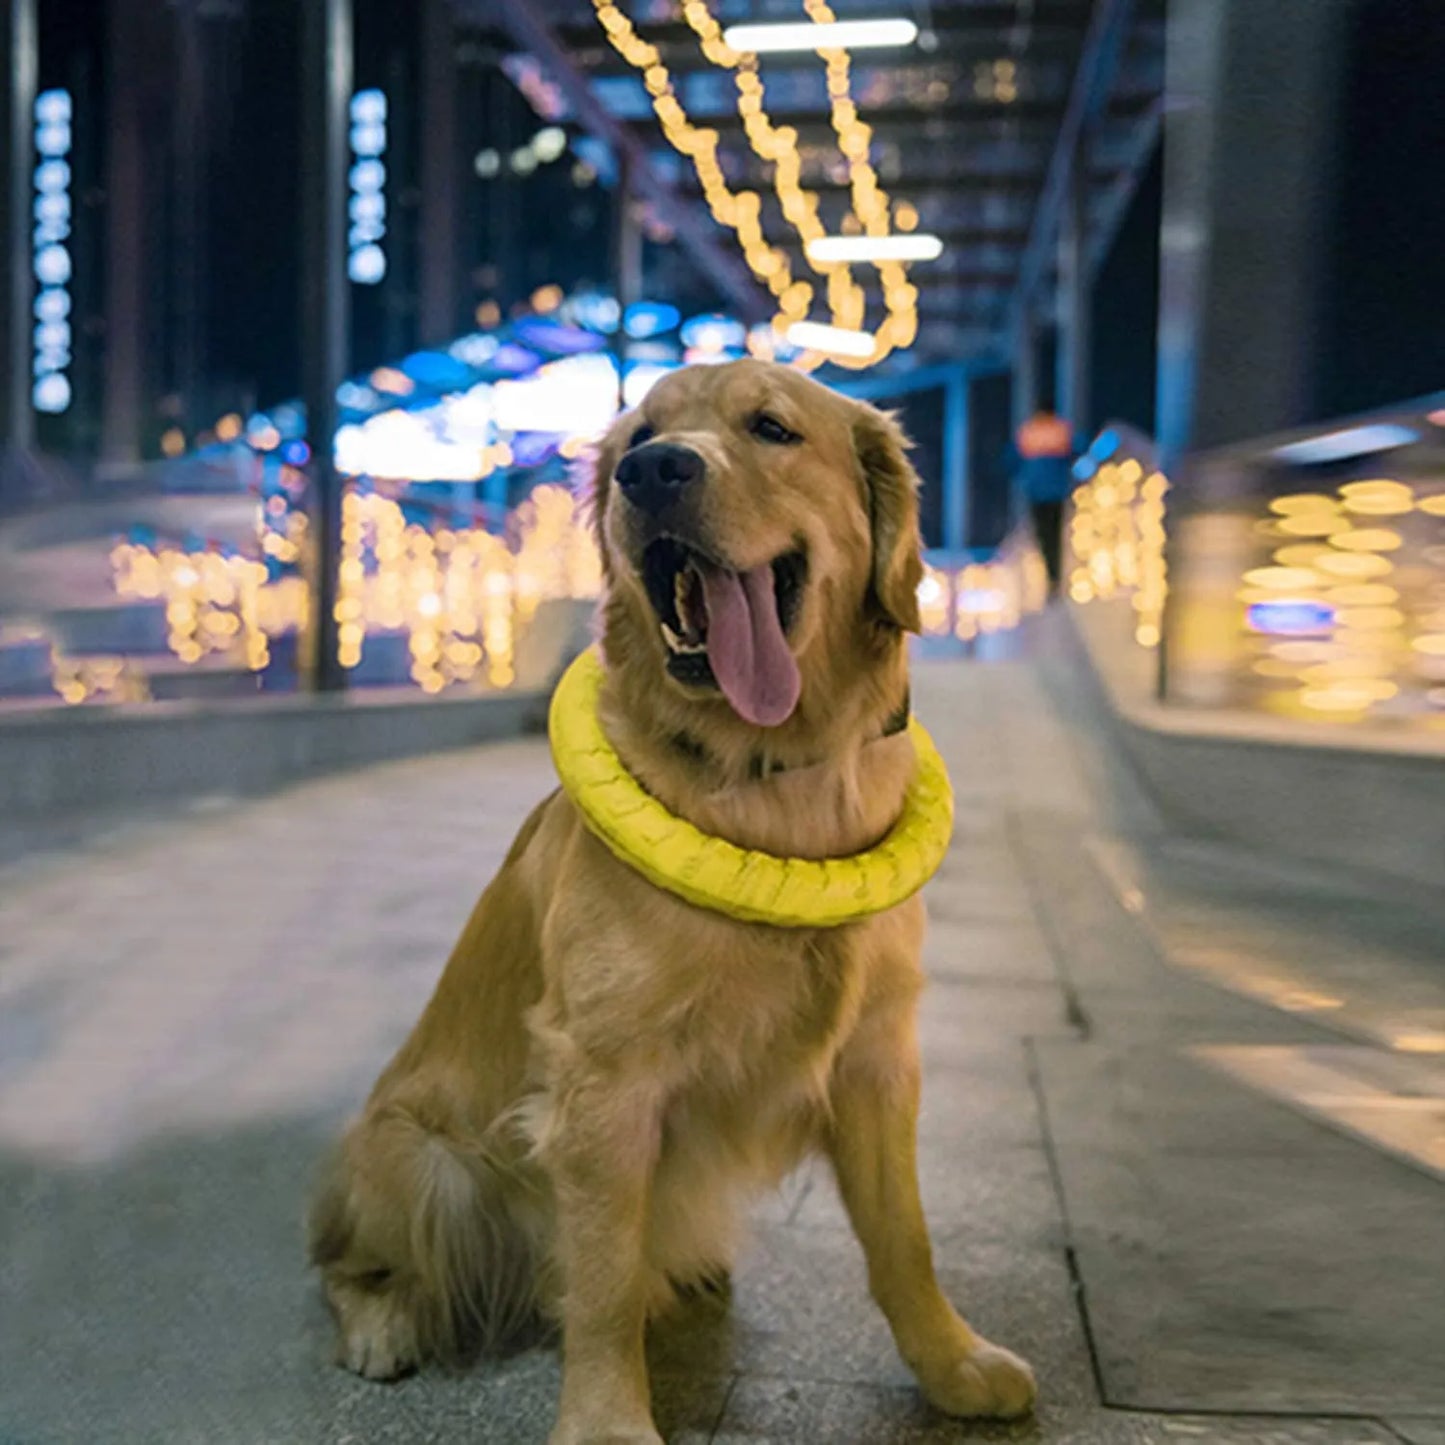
<point>892,485</point>
<point>605,456</point>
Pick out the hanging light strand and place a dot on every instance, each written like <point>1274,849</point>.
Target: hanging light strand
<point>778,147</point>
<point>870,200</point>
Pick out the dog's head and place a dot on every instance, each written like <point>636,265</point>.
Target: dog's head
<point>759,533</point>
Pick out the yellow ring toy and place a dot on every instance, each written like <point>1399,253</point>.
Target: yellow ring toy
<point>715,874</point>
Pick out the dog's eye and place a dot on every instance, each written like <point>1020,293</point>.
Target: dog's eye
<point>769,429</point>
<point>641,436</point>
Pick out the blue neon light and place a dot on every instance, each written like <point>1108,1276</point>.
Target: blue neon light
<point>1290,617</point>
<point>1105,445</point>
<point>713,333</point>
<point>649,318</point>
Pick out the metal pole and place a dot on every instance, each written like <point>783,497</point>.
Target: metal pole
<point>1025,391</point>
<point>187,220</point>
<point>1074,333</point>
<point>439,179</point>
<point>626,256</point>
<point>955,462</point>
<point>17,422</point>
<point>126,226</point>
<point>326,77</point>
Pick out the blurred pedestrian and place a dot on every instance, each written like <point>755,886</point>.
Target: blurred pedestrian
<point>1045,448</point>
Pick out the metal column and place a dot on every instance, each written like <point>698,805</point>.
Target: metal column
<point>17,425</point>
<point>438,250</point>
<point>1247,181</point>
<point>1075,313</point>
<point>626,257</point>
<point>1025,390</point>
<point>326,78</point>
<point>956,487</point>
<point>126,228</point>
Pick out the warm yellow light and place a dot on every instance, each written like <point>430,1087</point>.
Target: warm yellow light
<point>1337,697</point>
<point>1300,554</point>
<point>1362,594</point>
<point>1303,503</point>
<point>1367,539</point>
<point>173,441</point>
<point>1354,564</point>
<point>1370,619</point>
<point>1281,579</point>
<point>1419,1041</point>
<point>1301,650</point>
<point>1309,524</point>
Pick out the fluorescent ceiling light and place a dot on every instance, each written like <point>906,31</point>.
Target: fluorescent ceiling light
<point>814,336</point>
<point>909,247</point>
<point>836,35</point>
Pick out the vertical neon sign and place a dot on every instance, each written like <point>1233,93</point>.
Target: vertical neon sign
<point>50,390</point>
<point>366,261</point>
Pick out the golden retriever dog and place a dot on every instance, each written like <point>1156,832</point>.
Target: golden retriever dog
<point>606,1072</point>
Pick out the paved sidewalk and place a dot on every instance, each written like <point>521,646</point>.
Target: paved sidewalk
<point>188,1010</point>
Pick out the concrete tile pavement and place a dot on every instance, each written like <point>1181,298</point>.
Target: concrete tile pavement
<point>188,1010</point>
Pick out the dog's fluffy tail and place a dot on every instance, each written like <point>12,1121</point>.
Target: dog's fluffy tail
<point>446,1231</point>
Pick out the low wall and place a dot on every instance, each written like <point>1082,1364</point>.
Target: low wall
<point>66,764</point>
<point>1362,796</point>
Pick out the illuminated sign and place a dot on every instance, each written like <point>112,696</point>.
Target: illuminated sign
<point>50,390</point>
<point>366,210</point>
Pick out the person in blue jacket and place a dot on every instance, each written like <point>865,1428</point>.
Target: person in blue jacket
<point>1044,447</point>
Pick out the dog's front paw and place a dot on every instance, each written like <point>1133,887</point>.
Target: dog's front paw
<point>987,1382</point>
<point>377,1337</point>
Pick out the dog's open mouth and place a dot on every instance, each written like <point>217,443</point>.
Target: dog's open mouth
<point>729,629</point>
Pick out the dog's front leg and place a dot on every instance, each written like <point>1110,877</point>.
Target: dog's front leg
<point>872,1141</point>
<point>600,1151</point>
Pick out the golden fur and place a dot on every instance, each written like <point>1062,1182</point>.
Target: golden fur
<point>605,1073</point>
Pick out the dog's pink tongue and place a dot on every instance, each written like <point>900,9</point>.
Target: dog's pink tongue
<point>746,646</point>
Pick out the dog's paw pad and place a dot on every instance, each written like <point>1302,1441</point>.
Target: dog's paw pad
<point>989,1382</point>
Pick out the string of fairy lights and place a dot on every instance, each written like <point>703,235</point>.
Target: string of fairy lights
<point>870,203</point>
<point>740,211</point>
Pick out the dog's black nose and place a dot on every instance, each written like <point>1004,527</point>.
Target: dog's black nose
<point>655,476</point>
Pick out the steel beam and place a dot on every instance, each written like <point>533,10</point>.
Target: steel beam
<point>1120,190</point>
<point>1036,121</point>
<point>693,229</point>
<point>1089,93</point>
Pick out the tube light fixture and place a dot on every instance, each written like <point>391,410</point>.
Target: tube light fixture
<point>914,246</point>
<point>835,35</point>
<point>814,336</point>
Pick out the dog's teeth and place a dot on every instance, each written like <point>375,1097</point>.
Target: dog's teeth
<point>676,644</point>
